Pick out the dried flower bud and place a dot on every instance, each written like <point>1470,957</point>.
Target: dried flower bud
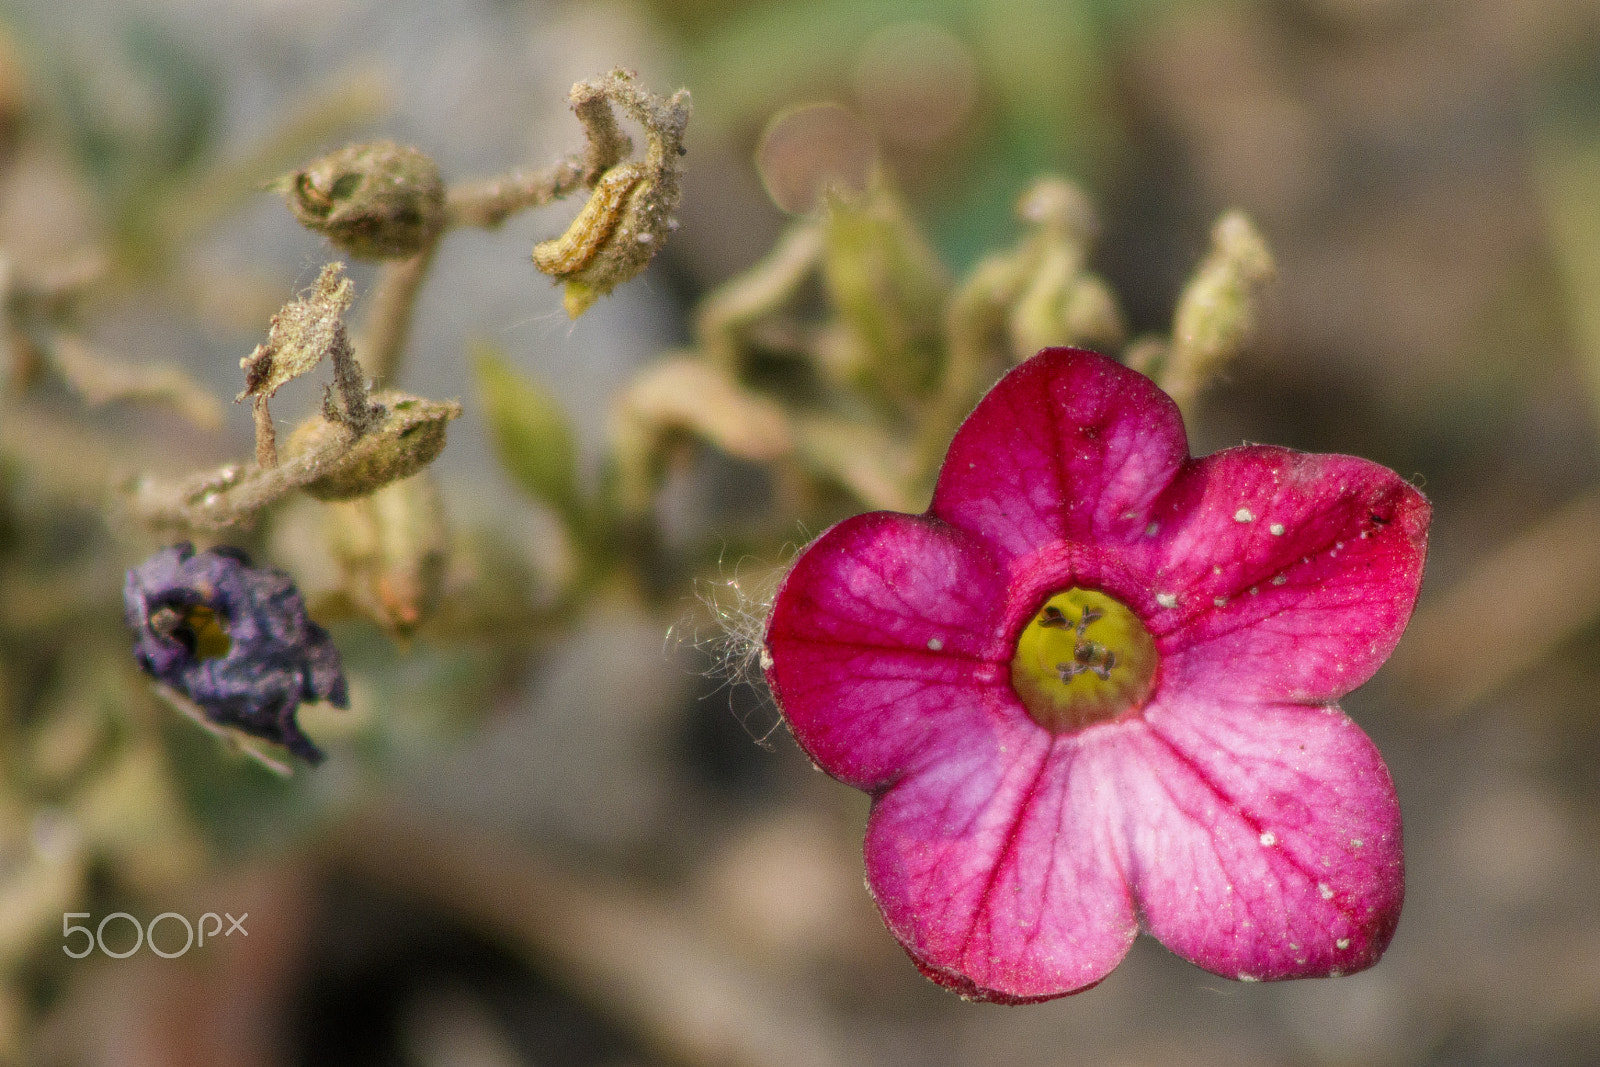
<point>409,435</point>
<point>1060,301</point>
<point>1216,310</point>
<point>630,212</point>
<point>374,201</point>
<point>1060,207</point>
<point>233,638</point>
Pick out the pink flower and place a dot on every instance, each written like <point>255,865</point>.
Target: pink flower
<point>1092,690</point>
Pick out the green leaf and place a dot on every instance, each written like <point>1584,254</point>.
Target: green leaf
<point>531,434</point>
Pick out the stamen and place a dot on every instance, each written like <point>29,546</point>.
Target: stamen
<point>1067,679</point>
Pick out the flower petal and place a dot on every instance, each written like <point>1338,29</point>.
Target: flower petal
<point>1263,841</point>
<point>1070,445</point>
<point>884,634</point>
<point>997,868</point>
<point>1293,575</point>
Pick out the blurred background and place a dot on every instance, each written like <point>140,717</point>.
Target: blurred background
<point>559,834</point>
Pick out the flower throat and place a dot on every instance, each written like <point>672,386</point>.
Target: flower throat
<point>1083,658</point>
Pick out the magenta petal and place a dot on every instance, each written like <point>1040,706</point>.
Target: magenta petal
<point>1070,445</point>
<point>1293,575</point>
<point>1238,816</point>
<point>996,867</point>
<point>1264,841</point>
<point>884,635</point>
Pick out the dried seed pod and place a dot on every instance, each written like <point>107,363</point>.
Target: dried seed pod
<point>409,437</point>
<point>374,201</point>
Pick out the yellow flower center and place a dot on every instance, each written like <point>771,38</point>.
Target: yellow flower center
<point>1084,658</point>
<point>197,628</point>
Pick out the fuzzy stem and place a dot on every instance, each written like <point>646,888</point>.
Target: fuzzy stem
<point>608,145</point>
<point>759,291</point>
<point>266,436</point>
<point>233,739</point>
<point>388,324</point>
<point>234,493</point>
<point>487,204</point>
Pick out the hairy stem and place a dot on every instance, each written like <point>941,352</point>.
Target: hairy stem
<point>739,302</point>
<point>266,436</point>
<point>388,324</point>
<point>487,204</point>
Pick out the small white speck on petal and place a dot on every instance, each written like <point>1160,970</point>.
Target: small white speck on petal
<point>766,660</point>
<point>1268,839</point>
<point>1279,579</point>
<point>1216,568</point>
<point>1167,600</point>
<point>1220,601</point>
<point>1153,529</point>
<point>1356,842</point>
<point>1243,515</point>
<point>1248,977</point>
<point>1342,943</point>
<point>1276,529</point>
<point>1324,891</point>
<point>935,644</point>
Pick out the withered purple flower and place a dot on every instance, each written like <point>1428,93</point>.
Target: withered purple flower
<point>235,639</point>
